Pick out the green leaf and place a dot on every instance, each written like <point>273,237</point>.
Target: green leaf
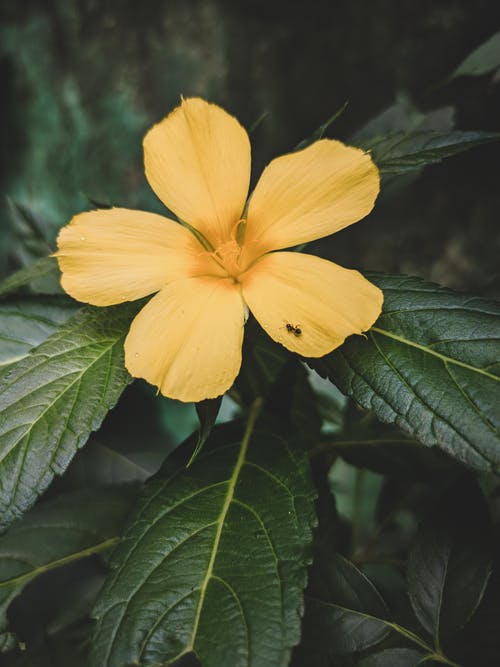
<point>51,401</point>
<point>450,564</point>
<point>393,657</point>
<point>35,273</point>
<point>344,611</point>
<point>395,455</point>
<point>482,60</point>
<point>100,463</point>
<point>56,533</point>
<point>401,152</point>
<point>207,412</point>
<point>215,560</point>
<point>431,365</point>
<point>404,116</point>
<point>26,324</point>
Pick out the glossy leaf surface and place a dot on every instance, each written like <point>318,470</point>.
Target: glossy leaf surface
<point>431,365</point>
<point>26,324</point>
<point>51,401</point>
<point>214,561</point>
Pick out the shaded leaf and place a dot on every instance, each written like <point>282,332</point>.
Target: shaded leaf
<point>478,643</point>
<point>207,412</point>
<point>58,532</point>
<point>402,152</point>
<point>214,561</point>
<point>482,60</point>
<point>393,657</point>
<point>34,273</point>
<point>26,324</point>
<point>344,611</point>
<point>396,456</point>
<point>263,361</point>
<point>450,563</point>
<point>51,401</point>
<point>431,365</point>
<point>100,463</point>
<point>404,117</point>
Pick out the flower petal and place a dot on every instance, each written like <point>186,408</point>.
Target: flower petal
<point>114,255</point>
<point>309,194</point>
<point>187,340</point>
<point>198,162</point>
<point>324,301</point>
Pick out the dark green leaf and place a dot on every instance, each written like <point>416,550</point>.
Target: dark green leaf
<point>404,117</point>
<point>397,456</point>
<point>344,611</point>
<point>365,442</point>
<point>431,365</point>
<point>51,401</point>
<point>58,532</point>
<point>34,273</point>
<point>450,563</point>
<point>482,60</point>
<point>393,657</point>
<point>215,560</point>
<point>100,463</point>
<point>478,643</point>
<point>263,361</point>
<point>401,152</point>
<point>207,412</point>
<point>60,651</point>
<point>26,324</point>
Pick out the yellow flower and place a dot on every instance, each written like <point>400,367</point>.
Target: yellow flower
<point>187,340</point>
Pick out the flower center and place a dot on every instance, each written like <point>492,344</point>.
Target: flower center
<point>228,255</point>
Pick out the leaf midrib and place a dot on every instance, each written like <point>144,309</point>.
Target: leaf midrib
<point>442,357</point>
<point>58,562</point>
<point>27,433</point>
<point>222,517</point>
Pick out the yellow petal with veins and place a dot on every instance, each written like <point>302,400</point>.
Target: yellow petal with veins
<point>309,194</point>
<point>197,161</point>
<point>113,255</point>
<point>308,304</point>
<point>187,340</point>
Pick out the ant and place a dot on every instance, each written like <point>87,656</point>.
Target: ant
<point>296,330</point>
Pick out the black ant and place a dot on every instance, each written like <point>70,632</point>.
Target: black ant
<point>296,330</point>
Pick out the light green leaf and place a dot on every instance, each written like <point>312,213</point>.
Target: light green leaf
<point>431,365</point>
<point>482,60</point>
<point>56,533</point>
<point>37,274</point>
<point>215,559</point>
<point>28,323</point>
<point>51,400</point>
